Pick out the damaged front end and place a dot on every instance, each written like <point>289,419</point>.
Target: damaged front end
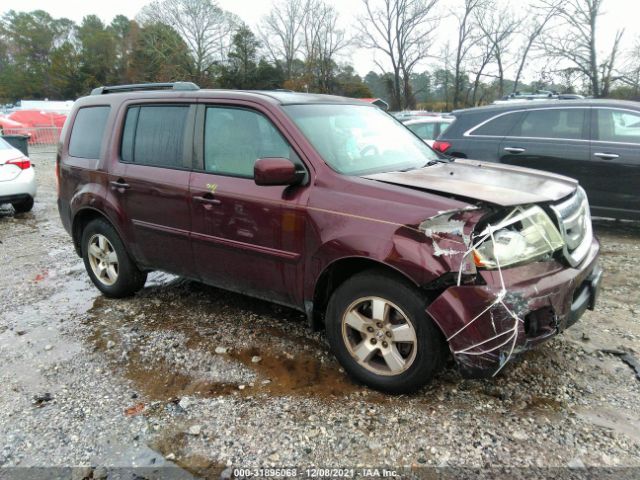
<point>511,288</point>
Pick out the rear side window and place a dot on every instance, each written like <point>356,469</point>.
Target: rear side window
<point>154,135</point>
<point>618,126</point>
<point>424,130</point>
<point>553,123</point>
<point>88,130</point>
<point>499,126</point>
<point>235,138</point>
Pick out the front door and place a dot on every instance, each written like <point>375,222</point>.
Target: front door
<point>551,139</point>
<point>246,237</point>
<point>156,149</point>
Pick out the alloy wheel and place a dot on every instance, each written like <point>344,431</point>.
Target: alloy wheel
<point>379,336</point>
<point>103,259</point>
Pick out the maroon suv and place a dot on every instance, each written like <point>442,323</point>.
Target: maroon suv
<point>330,206</point>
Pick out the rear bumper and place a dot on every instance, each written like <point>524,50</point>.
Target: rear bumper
<point>487,325</point>
<point>19,188</point>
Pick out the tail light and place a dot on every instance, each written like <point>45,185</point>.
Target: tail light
<point>22,163</point>
<point>441,146</point>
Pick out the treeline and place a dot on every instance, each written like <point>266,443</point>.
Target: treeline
<point>303,45</point>
<point>194,40</point>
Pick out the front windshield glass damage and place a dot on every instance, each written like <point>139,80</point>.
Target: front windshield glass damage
<point>360,140</point>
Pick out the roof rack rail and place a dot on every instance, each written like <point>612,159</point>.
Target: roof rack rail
<point>187,86</point>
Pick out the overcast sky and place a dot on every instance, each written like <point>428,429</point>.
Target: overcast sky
<point>618,14</point>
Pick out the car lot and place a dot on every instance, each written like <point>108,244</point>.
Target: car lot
<point>209,379</point>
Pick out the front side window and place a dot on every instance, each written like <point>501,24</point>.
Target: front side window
<point>88,131</point>
<point>235,138</point>
<point>552,123</point>
<point>618,126</point>
<point>154,135</point>
<point>360,139</point>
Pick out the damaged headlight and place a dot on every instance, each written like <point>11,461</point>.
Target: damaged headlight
<point>525,235</point>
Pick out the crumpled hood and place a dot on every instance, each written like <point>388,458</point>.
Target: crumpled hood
<point>495,183</point>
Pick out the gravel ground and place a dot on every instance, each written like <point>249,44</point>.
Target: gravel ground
<point>197,379</point>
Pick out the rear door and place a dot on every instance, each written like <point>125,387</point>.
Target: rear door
<point>552,139</point>
<point>615,154</point>
<point>156,152</point>
<point>246,237</point>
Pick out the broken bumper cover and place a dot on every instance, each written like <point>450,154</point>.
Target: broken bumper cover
<point>486,325</point>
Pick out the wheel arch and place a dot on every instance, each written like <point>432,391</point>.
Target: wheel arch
<point>82,218</point>
<point>335,274</point>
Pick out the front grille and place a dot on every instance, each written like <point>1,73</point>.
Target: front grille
<point>574,221</point>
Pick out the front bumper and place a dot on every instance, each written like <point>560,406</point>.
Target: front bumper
<point>487,325</point>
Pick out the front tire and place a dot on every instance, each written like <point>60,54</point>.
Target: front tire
<point>379,331</point>
<point>107,262</point>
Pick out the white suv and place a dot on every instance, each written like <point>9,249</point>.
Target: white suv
<point>17,178</point>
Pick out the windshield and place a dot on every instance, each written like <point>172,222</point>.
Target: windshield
<point>357,140</point>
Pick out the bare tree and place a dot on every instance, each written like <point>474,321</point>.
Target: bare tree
<point>401,30</point>
<point>202,24</point>
<point>498,31</point>
<point>631,69</point>
<point>540,15</point>
<point>323,41</point>
<point>487,53</point>
<point>280,31</point>
<point>607,68</point>
<point>575,43</point>
<point>468,34</point>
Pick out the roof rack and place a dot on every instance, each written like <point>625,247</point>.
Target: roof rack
<point>185,86</point>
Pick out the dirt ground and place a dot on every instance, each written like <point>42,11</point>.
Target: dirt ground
<point>194,380</point>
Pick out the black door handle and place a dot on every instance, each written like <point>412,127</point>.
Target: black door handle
<point>207,200</point>
<point>119,184</point>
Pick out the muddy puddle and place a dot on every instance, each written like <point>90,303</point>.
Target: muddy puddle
<point>176,443</point>
<point>268,351</point>
<point>272,344</point>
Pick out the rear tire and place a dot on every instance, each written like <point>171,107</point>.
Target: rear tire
<point>379,331</point>
<point>107,262</point>
<point>23,206</point>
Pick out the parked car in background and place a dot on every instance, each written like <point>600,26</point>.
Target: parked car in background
<point>596,142</point>
<point>405,115</point>
<point>428,128</point>
<point>17,178</point>
<point>329,206</point>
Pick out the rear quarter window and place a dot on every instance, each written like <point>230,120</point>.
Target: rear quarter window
<point>88,132</point>
<point>497,126</point>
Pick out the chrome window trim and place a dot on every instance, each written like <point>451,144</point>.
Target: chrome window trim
<point>469,133</point>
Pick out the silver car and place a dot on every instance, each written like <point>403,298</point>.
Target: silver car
<point>428,127</point>
<point>17,178</point>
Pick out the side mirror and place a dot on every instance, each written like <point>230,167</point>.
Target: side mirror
<point>275,171</point>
